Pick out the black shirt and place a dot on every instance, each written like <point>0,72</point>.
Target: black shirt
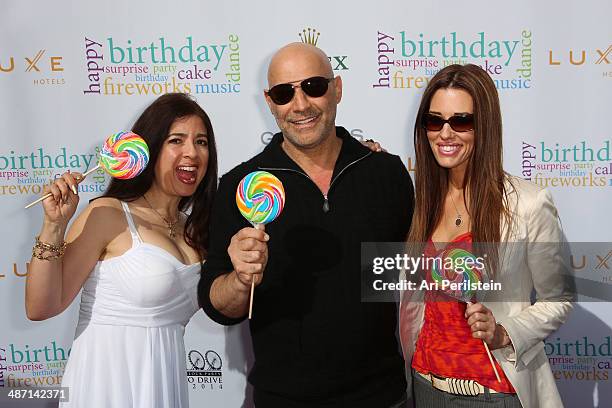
<point>315,343</point>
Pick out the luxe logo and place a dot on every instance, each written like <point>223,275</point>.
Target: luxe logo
<point>34,63</point>
<point>600,263</point>
<point>16,272</point>
<point>579,57</point>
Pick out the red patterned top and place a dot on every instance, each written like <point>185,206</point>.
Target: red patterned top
<point>445,346</point>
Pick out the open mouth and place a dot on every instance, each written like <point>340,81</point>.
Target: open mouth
<point>449,149</point>
<point>186,174</point>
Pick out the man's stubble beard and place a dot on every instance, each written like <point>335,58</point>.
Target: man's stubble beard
<point>328,129</point>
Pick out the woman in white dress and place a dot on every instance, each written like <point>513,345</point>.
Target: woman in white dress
<point>137,254</point>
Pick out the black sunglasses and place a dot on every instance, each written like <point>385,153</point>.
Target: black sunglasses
<point>314,87</point>
<point>459,123</point>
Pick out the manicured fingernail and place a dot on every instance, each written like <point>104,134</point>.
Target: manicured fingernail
<point>74,190</point>
<point>266,237</point>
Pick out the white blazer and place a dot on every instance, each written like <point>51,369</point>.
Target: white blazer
<point>524,266</point>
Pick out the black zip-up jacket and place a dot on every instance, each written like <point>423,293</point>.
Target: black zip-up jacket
<point>315,343</point>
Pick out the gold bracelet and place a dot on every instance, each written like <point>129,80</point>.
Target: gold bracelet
<point>50,247</point>
<point>55,251</point>
<point>38,254</point>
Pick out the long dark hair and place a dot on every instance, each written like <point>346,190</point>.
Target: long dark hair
<point>484,177</point>
<point>153,126</point>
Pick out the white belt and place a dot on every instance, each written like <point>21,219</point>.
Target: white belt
<point>456,385</point>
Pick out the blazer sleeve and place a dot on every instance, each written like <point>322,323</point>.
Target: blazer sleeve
<point>548,263</point>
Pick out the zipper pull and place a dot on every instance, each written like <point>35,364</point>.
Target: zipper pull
<point>325,204</point>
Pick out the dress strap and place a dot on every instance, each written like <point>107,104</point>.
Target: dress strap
<point>133,231</point>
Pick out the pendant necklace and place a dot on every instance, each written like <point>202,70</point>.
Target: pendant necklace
<point>458,220</point>
<point>169,224</point>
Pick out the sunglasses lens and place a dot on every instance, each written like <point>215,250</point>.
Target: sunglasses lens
<point>462,123</point>
<point>281,94</point>
<point>315,87</point>
<point>459,123</point>
<point>432,123</point>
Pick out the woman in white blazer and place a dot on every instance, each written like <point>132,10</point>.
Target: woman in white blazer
<point>463,197</point>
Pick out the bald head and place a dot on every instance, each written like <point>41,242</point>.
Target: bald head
<point>297,61</point>
<point>307,118</point>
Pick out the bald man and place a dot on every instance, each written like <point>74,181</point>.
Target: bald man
<point>315,343</point>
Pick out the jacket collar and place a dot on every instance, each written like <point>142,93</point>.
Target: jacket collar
<point>273,156</point>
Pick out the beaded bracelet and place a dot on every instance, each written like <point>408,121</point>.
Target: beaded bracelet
<point>56,251</point>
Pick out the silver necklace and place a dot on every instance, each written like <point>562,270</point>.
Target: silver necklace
<point>171,225</point>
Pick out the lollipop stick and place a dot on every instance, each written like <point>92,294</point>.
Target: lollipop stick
<point>251,298</point>
<point>256,226</point>
<point>491,360</point>
<point>49,194</point>
<point>88,172</point>
<point>486,346</point>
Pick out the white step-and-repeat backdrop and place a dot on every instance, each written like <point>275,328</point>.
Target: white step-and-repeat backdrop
<point>73,72</point>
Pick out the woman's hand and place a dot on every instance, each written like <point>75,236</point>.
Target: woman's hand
<point>484,327</point>
<point>60,207</point>
<point>373,145</point>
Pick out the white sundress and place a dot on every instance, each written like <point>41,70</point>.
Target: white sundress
<point>128,349</point>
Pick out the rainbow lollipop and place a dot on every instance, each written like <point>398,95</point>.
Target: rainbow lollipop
<point>458,266</point>
<point>124,155</point>
<point>260,197</point>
